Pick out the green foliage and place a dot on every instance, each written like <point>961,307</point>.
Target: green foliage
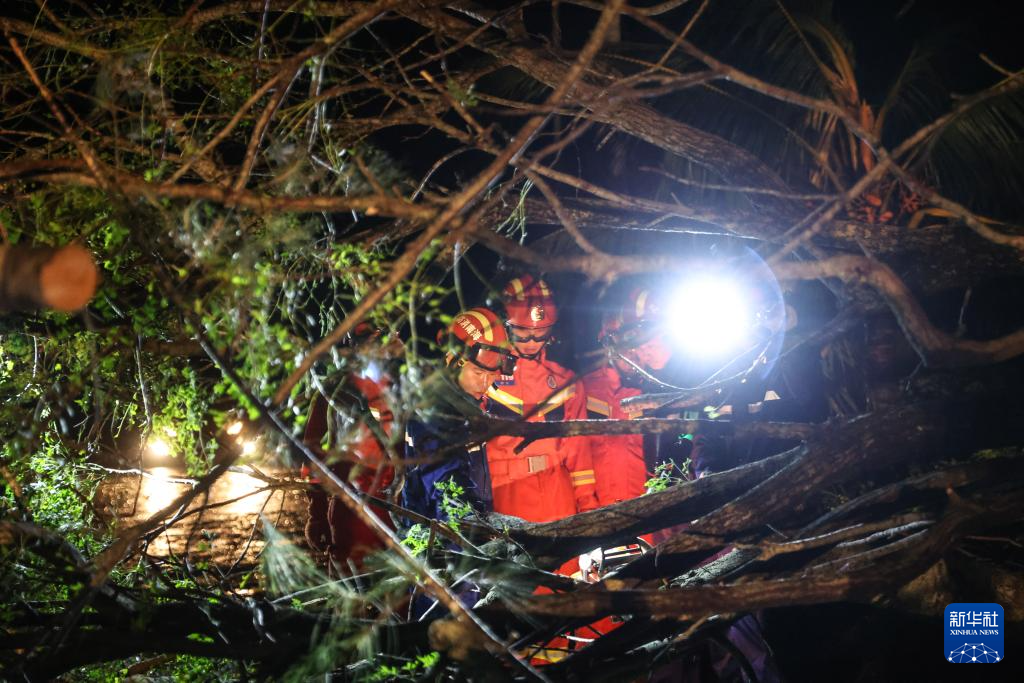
<point>452,503</point>
<point>417,539</point>
<point>293,579</point>
<point>82,392</point>
<point>190,669</point>
<point>464,96</point>
<point>666,475</point>
<point>183,668</point>
<point>455,508</point>
<point>408,671</point>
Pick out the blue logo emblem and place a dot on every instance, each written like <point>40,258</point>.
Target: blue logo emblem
<point>973,633</point>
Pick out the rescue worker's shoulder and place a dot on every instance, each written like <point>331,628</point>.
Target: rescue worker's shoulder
<point>557,369</point>
<point>599,381</point>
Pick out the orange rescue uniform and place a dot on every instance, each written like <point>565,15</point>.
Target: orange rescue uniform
<point>551,478</point>
<point>618,460</point>
<point>349,537</point>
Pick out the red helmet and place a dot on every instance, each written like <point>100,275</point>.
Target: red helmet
<point>643,307</point>
<point>637,321</point>
<point>479,337</point>
<point>529,304</point>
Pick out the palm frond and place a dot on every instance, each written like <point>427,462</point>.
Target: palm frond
<point>916,95</point>
<point>978,158</point>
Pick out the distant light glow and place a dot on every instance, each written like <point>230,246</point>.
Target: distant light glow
<point>171,432</point>
<point>234,428</point>
<point>248,447</point>
<point>710,315</point>
<point>158,447</point>
<point>240,485</point>
<point>159,490</point>
<point>163,485</point>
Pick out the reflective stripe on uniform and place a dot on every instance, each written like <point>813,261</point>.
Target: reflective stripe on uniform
<point>506,399</point>
<point>547,654</point>
<point>557,400</point>
<point>596,405</point>
<point>583,477</point>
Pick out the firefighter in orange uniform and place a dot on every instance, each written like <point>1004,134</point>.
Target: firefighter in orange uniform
<point>550,478</point>
<point>635,346</point>
<point>331,527</point>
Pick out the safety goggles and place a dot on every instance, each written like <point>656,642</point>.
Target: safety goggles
<point>630,336</point>
<point>543,336</point>
<point>491,358</point>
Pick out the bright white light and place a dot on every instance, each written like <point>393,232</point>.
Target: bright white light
<point>158,490</point>
<point>709,315</point>
<point>234,428</point>
<point>373,371</point>
<point>248,447</point>
<point>236,485</point>
<point>158,447</point>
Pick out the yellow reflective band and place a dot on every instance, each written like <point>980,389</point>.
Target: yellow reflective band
<point>596,405</point>
<point>583,478</point>
<point>558,399</point>
<point>506,399</point>
<point>545,654</point>
<point>517,286</point>
<point>485,325</point>
<point>544,288</point>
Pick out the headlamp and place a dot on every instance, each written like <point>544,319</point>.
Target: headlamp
<point>709,315</point>
<point>718,319</point>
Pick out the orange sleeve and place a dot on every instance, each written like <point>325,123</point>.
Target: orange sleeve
<point>578,459</point>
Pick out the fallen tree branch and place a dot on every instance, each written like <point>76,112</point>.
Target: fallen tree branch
<point>532,431</point>
<point>865,582</point>
<point>553,542</point>
<point>935,347</point>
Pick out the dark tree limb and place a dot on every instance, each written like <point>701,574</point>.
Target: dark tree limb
<point>553,542</point>
<point>637,119</point>
<point>952,477</point>
<point>532,431</point>
<point>935,347</point>
<point>862,584</point>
